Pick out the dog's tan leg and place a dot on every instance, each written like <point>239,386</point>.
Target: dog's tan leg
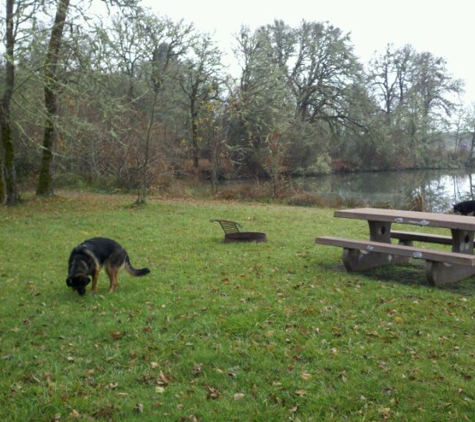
<point>113,274</point>
<point>94,281</point>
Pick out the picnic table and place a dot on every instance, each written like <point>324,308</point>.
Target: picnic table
<point>442,266</point>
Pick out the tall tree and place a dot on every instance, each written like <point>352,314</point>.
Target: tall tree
<point>8,183</point>
<point>51,86</point>
<point>435,88</point>
<point>262,106</point>
<point>467,127</point>
<point>384,79</point>
<point>145,50</point>
<point>200,82</point>
<point>311,70</point>
<point>417,96</point>
<point>168,45</point>
<point>323,66</point>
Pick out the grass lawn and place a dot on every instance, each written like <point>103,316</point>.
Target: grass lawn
<point>222,332</point>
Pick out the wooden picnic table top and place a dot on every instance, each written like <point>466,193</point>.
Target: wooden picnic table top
<point>429,219</point>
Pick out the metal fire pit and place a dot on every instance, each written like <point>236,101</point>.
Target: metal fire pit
<point>233,234</point>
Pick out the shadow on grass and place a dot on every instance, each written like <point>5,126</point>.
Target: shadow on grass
<point>412,274</point>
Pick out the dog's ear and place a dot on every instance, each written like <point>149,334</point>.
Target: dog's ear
<point>69,282</point>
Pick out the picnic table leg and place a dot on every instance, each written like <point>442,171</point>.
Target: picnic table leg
<point>379,231</point>
<point>356,260</point>
<point>462,241</point>
<point>438,273</point>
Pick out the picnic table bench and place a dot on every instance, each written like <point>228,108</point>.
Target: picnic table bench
<point>442,266</point>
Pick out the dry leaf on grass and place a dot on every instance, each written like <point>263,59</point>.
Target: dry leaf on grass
<point>117,335</point>
<point>138,408</point>
<point>213,393</point>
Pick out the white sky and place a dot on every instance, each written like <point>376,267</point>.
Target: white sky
<point>444,28</point>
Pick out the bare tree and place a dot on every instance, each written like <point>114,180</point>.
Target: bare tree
<point>200,82</point>
<point>51,85</point>
<point>168,42</point>
<point>8,183</point>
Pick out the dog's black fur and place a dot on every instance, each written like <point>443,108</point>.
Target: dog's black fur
<point>87,259</point>
<point>465,208</point>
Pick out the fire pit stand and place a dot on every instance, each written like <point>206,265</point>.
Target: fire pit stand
<point>232,233</point>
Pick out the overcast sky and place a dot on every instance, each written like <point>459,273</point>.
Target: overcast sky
<point>446,29</point>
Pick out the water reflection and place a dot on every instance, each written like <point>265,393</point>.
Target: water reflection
<point>439,189</point>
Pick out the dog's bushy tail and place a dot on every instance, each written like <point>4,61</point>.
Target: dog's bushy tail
<point>134,271</point>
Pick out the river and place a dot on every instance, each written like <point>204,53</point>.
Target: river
<point>439,189</point>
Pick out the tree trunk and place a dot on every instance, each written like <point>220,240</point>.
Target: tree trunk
<point>9,173</point>
<point>142,196</point>
<point>46,177</point>
<point>8,184</point>
<point>194,135</point>
<point>472,147</point>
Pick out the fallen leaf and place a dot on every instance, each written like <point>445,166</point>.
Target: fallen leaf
<point>105,413</point>
<point>163,379</point>
<point>197,369</point>
<point>301,393</point>
<point>238,396</point>
<point>306,376</point>
<point>213,393</point>
<point>294,409</point>
<point>117,335</point>
<point>138,408</point>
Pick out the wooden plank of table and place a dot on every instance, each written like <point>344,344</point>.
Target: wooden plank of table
<point>429,219</point>
<point>404,236</point>
<point>402,250</point>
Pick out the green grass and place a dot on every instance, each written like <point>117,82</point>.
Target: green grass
<point>222,332</point>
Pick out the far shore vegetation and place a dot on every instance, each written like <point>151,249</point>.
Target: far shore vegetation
<point>135,101</point>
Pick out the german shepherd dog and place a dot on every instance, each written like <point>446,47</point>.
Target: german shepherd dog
<point>89,257</point>
<point>465,208</point>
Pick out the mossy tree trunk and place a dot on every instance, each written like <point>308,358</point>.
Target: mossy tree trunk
<point>46,177</point>
<point>8,183</point>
